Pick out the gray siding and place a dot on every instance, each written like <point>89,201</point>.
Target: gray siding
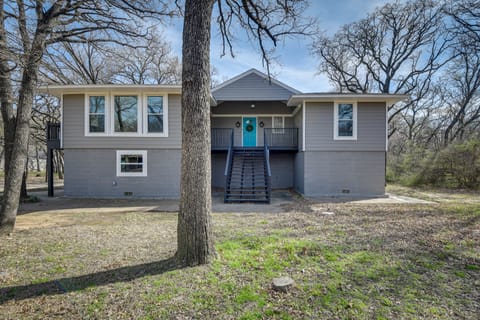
<point>74,128</point>
<point>370,128</point>
<point>244,107</point>
<point>298,123</point>
<point>281,165</point>
<point>252,87</point>
<point>92,173</point>
<point>299,173</point>
<point>330,173</point>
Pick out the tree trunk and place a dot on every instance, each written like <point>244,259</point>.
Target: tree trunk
<point>18,159</point>
<point>194,238</point>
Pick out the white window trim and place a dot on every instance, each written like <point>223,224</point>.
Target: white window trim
<point>145,115</point>
<point>282,127</point>
<point>112,131</point>
<point>143,153</point>
<point>87,115</point>
<point>142,114</point>
<point>335,121</point>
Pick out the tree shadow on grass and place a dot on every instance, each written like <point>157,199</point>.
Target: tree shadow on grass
<point>64,285</point>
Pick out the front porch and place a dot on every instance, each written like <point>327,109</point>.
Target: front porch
<point>275,139</point>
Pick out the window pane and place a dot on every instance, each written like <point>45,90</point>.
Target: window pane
<point>131,168</point>
<point>345,128</point>
<point>155,123</point>
<point>97,123</point>
<point>97,104</point>
<point>345,111</point>
<point>131,158</point>
<point>277,122</point>
<point>155,104</point>
<point>125,113</point>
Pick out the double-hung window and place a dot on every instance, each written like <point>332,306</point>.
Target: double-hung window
<point>114,114</point>
<point>155,115</point>
<point>345,121</point>
<point>131,163</point>
<point>125,114</point>
<point>278,124</point>
<point>96,114</point>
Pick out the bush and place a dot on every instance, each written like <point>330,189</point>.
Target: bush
<point>457,165</point>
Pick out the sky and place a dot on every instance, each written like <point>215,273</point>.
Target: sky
<point>295,66</point>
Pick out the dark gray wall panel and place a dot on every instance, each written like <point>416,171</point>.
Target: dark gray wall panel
<point>281,165</point>
<point>329,173</point>
<point>92,173</point>
<point>299,174</point>
<point>218,169</point>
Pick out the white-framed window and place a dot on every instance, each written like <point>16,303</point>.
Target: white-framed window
<point>155,115</point>
<point>131,163</point>
<point>126,114</point>
<point>96,114</point>
<point>345,121</point>
<point>278,124</point>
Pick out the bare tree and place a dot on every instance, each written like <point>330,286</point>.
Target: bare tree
<point>266,22</point>
<point>463,75</point>
<point>396,49</point>
<point>40,24</point>
<point>78,63</point>
<point>151,61</point>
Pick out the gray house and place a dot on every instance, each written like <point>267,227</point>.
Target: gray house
<point>125,140</point>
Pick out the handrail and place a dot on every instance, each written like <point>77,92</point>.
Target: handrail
<point>228,165</point>
<point>266,151</point>
<point>229,155</point>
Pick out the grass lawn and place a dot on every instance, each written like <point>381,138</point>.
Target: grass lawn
<point>399,261</point>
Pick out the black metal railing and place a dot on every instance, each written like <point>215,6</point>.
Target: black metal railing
<point>266,151</point>
<point>228,165</point>
<point>53,131</point>
<point>281,138</point>
<point>53,135</point>
<point>221,138</point>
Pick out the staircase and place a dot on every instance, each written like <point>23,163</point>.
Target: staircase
<point>248,176</point>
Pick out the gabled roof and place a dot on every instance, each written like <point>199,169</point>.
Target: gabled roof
<point>253,85</point>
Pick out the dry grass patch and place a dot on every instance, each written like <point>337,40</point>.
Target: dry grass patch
<point>363,262</point>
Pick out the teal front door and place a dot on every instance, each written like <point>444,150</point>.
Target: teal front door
<point>249,132</point>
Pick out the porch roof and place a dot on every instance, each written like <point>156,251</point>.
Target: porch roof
<point>297,99</point>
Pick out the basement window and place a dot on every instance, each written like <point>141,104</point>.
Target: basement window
<point>131,163</point>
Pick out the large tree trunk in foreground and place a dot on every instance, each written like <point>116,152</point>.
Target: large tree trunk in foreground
<point>195,242</point>
<point>18,159</point>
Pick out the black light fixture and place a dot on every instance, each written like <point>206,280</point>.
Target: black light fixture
<point>237,124</point>
<point>261,124</point>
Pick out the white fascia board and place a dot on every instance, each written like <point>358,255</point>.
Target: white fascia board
<point>58,90</point>
<point>367,97</point>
